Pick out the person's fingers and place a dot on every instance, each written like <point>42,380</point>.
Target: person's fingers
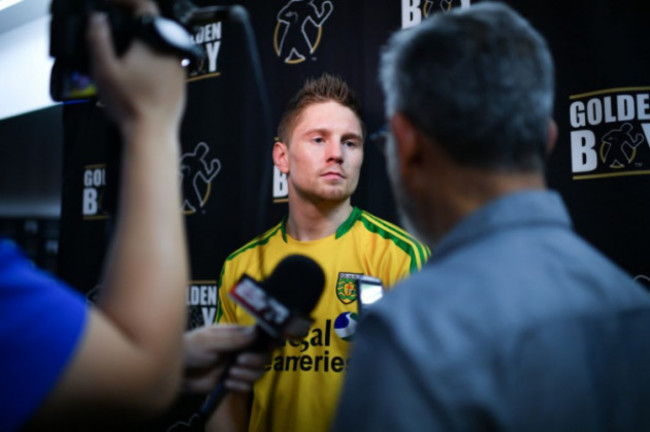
<point>241,378</point>
<point>238,386</point>
<point>238,373</point>
<point>140,7</point>
<point>101,50</point>
<point>230,337</point>
<point>208,347</point>
<point>252,360</point>
<point>248,368</point>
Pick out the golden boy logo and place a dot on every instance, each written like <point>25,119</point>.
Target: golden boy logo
<point>609,133</point>
<point>94,188</point>
<point>207,36</point>
<point>201,300</point>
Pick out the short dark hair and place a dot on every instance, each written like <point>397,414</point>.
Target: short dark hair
<point>325,88</point>
<point>479,81</point>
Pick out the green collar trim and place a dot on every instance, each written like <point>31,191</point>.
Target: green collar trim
<point>355,215</point>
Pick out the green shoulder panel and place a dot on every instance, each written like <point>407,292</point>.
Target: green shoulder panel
<point>418,252</point>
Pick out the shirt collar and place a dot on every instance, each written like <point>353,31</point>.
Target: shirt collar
<point>532,207</point>
<point>342,229</point>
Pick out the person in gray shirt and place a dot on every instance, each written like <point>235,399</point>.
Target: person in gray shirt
<point>516,323</point>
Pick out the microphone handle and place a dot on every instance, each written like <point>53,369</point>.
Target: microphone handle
<point>264,342</point>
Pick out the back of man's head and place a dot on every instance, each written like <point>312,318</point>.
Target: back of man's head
<point>325,88</point>
<point>479,81</point>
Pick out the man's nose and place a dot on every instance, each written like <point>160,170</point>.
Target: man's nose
<point>335,151</point>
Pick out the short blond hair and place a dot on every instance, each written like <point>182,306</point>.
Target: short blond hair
<point>325,88</point>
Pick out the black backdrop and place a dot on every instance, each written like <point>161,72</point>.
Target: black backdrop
<point>600,164</point>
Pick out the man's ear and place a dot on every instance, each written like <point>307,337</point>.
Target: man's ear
<point>408,145</point>
<point>552,136</point>
<point>281,156</point>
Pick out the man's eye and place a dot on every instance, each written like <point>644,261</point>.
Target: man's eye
<point>350,143</point>
<point>318,140</point>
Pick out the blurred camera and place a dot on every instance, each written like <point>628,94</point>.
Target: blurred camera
<point>70,77</point>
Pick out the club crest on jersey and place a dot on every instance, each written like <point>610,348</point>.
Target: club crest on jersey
<point>346,287</point>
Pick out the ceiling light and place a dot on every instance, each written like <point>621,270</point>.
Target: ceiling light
<point>4,4</point>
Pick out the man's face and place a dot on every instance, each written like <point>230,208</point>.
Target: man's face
<point>324,153</point>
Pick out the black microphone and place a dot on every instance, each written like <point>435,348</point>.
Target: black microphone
<point>281,306</point>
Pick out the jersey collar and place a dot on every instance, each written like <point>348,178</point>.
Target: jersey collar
<point>355,215</point>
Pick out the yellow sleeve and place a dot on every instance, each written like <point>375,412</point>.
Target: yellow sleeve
<point>225,305</point>
<point>399,265</point>
<point>395,253</point>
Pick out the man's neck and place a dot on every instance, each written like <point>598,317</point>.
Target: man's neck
<point>470,189</point>
<point>308,221</point>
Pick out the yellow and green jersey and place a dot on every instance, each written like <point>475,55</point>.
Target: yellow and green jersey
<point>300,390</point>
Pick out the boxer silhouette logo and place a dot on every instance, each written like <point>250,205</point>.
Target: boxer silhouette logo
<point>197,172</point>
<point>618,146</point>
<point>299,29</point>
<point>433,6</point>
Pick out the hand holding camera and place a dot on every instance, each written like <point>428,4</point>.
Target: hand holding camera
<point>139,86</point>
<point>128,20</point>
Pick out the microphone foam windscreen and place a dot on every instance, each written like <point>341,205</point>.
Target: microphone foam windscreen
<point>297,282</point>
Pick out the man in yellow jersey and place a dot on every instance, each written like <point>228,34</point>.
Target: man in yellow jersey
<point>321,151</point>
